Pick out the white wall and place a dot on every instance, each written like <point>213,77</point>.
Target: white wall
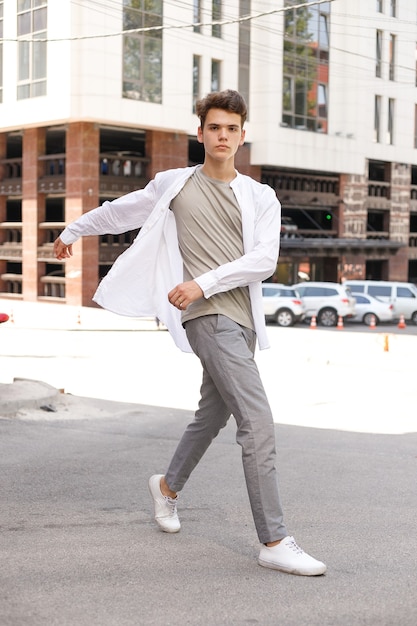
<point>85,79</point>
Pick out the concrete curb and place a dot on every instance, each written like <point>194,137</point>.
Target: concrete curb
<point>25,394</point>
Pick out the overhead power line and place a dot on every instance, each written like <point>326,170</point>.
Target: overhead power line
<point>245,18</point>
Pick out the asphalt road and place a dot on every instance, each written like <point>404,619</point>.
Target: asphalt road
<point>79,546</point>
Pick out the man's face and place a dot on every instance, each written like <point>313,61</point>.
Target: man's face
<point>222,134</point>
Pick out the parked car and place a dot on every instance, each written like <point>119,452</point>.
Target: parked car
<point>368,308</point>
<point>282,304</point>
<point>402,295</point>
<point>327,301</point>
<point>288,227</point>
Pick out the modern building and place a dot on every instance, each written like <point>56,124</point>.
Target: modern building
<point>97,96</point>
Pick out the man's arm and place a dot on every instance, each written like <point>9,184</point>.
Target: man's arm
<point>119,216</point>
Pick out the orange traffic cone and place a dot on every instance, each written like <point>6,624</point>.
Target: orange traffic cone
<point>401,323</point>
<point>313,323</point>
<point>340,323</point>
<point>372,325</point>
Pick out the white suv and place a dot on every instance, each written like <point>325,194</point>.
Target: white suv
<point>327,301</point>
<point>282,304</point>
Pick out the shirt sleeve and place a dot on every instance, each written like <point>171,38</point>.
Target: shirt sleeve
<point>118,216</point>
<point>258,262</point>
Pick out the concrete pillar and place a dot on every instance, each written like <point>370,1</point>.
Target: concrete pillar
<point>82,195</point>
<point>243,164</point>
<point>400,219</point>
<point>165,151</point>
<point>32,209</point>
<point>352,215</point>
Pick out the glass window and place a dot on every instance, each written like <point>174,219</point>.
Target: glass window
<point>269,292</point>
<point>393,8</point>
<point>390,129</point>
<point>306,66</point>
<point>215,75</point>
<point>378,65</point>
<point>380,290</point>
<point>356,289</point>
<point>244,49</point>
<point>216,16</point>
<point>197,15</point>
<point>404,292</point>
<point>32,55</point>
<point>377,119</point>
<point>379,6</point>
<point>196,80</point>
<point>142,51</point>
<point>392,54</point>
<point>361,299</point>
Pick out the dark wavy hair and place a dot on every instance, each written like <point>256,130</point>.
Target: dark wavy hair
<point>227,100</point>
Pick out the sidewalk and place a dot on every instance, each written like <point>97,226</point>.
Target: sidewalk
<point>314,378</point>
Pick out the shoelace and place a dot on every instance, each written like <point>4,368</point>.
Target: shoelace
<point>172,503</point>
<point>294,546</point>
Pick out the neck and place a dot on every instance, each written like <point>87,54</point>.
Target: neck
<point>220,171</point>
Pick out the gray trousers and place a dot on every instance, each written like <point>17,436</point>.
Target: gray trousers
<point>232,386</point>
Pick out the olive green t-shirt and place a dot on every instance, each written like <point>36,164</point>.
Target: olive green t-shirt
<point>209,226</point>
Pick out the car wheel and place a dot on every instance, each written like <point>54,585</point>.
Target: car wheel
<point>367,319</point>
<point>414,317</point>
<point>327,317</point>
<point>284,317</point>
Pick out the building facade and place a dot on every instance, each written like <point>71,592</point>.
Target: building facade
<point>96,97</point>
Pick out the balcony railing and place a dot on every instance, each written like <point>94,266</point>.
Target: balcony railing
<point>11,177</point>
<point>52,230</point>
<point>377,234</point>
<point>13,231</point>
<point>53,286</point>
<point>13,283</point>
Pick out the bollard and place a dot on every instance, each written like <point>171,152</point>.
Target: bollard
<point>386,343</point>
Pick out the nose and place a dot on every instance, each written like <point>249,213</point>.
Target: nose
<point>222,132</point>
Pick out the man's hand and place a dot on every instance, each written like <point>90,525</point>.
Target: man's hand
<point>182,295</point>
<point>61,251</point>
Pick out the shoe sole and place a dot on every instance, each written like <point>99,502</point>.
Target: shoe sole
<point>287,570</point>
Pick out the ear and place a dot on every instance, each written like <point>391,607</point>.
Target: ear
<point>200,134</point>
<point>242,138</point>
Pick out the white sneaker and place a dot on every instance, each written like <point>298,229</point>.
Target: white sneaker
<point>165,507</point>
<point>288,557</point>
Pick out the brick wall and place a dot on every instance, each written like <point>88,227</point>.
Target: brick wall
<point>82,191</point>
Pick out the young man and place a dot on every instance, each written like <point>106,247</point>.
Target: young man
<point>208,238</point>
